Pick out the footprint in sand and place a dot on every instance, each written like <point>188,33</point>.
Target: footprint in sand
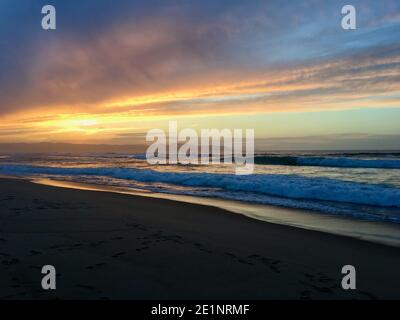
<point>66,247</point>
<point>230,255</point>
<point>238,259</point>
<point>271,263</point>
<point>118,254</point>
<point>10,262</point>
<point>96,244</point>
<point>141,249</point>
<point>206,250</point>
<point>319,282</point>
<point>97,265</point>
<point>137,226</point>
<point>117,238</point>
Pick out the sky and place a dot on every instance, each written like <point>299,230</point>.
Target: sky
<point>112,70</point>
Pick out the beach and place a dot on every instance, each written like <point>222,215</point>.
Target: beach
<point>106,245</point>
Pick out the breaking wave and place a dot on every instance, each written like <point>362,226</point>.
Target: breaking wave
<point>340,162</point>
<point>288,186</point>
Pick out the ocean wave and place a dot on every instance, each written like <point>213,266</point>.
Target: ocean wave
<point>281,185</point>
<point>340,162</point>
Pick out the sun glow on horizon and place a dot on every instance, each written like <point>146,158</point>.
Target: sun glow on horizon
<point>147,66</point>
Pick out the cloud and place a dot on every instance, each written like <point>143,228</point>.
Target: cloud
<point>151,54</point>
<point>111,53</point>
<point>110,63</point>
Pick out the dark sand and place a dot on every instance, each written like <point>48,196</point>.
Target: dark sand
<point>109,245</point>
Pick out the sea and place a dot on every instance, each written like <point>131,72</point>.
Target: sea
<point>356,185</point>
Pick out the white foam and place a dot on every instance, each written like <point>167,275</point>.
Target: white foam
<point>281,185</point>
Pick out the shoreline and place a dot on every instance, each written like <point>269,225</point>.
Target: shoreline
<point>374,231</point>
<point>117,246</point>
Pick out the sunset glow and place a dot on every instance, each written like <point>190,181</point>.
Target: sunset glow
<point>143,65</point>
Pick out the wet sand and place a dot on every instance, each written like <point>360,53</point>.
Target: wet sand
<point>107,245</point>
